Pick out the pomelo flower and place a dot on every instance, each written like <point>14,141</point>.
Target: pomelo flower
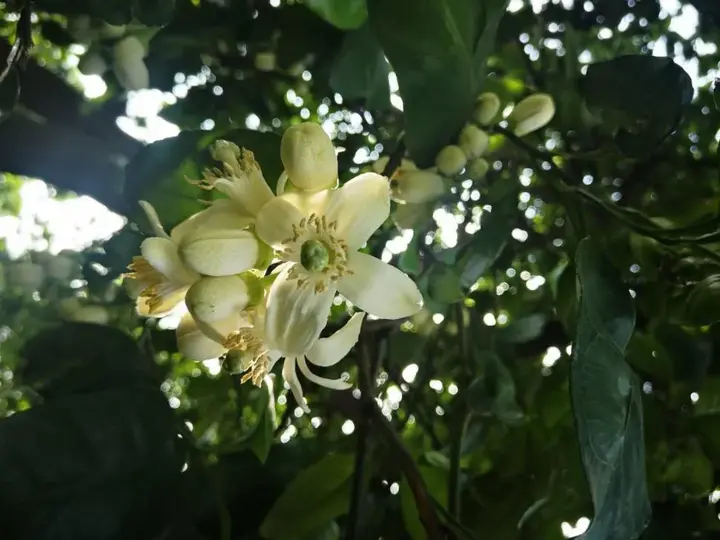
<point>318,237</point>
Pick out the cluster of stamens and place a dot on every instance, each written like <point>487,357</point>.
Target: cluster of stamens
<point>149,278</point>
<point>316,228</point>
<point>251,345</point>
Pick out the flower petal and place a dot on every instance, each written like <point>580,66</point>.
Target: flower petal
<point>330,350</point>
<point>153,218</point>
<point>275,221</point>
<point>194,344</point>
<point>295,314</point>
<point>380,289</point>
<point>162,254</point>
<point>335,384</point>
<point>223,213</point>
<point>171,297</point>
<point>219,251</point>
<point>360,207</point>
<point>291,378</point>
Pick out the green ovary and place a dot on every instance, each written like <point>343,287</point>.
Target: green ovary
<point>314,256</point>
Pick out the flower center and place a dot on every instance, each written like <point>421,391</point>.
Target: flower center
<point>314,256</point>
<point>322,255</point>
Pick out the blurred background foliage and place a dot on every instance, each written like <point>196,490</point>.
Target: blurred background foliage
<point>473,423</point>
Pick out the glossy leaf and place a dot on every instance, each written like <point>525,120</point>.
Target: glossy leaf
<point>344,14</point>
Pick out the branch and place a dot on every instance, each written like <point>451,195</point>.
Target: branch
<point>17,57</point>
<point>395,158</point>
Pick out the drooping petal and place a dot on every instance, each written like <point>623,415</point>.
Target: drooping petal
<point>360,207</point>
<point>275,221</point>
<point>291,378</point>
<point>380,289</point>
<point>154,219</point>
<point>295,314</point>
<point>216,251</point>
<point>170,297</point>
<point>335,384</point>
<point>193,343</point>
<point>330,350</point>
<point>162,254</point>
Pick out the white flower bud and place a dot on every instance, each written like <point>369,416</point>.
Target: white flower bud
<point>227,152</point>
<point>91,314</point>
<point>412,216</point>
<point>112,31</point>
<point>130,69</point>
<point>450,160</point>
<point>417,186</point>
<point>477,168</point>
<point>265,61</point>
<point>214,299</point>
<point>92,64</point>
<point>379,165</point>
<point>26,276</point>
<point>473,141</point>
<point>61,267</point>
<point>487,108</point>
<point>195,345</point>
<point>531,114</point>
<point>309,157</point>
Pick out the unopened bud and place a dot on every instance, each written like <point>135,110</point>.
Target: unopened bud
<point>91,314</point>
<point>487,108</point>
<point>112,31</point>
<point>92,64</point>
<point>265,61</point>
<point>405,165</point>
<point>227,152</point>
<point>130,69</point>
<point>212,300</point>
<point>417,186</point>
<point>26,276</point>
<point>309,157</point>
<point>477,168</point>
<point>195,345</point>
<point>473,141</point>
<point>412,216</point>
<point>531,114</point>
<point>450,160</point>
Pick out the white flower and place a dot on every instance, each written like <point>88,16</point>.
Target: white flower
<point>163,277</point>
<point>318,237</point>
<point>450,160</point>
<point>241,179</point>
<point>130,69</point>
<point>259,354</point>
<point>487,108</point>
<point>308,156</point>
<point>473,141</point>
<point>417,186</point>
<point>531,114</point>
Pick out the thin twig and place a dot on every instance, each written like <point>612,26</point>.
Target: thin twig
<point>395,158</point>
<point>23,42</point>
<point>458,433</point>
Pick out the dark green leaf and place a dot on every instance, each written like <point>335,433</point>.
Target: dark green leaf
<point>641,96</point>
<point>262,438</point>
<point>9,94</point>
<point>360,70</point>
<point>154,12</point>
<point>486,246</point>
<point>409,261</point>
<point>318,494</point>
<point>344,14</point>
<point>523,329</point>
<point>444,284</point>
<point>492,393</point>
<point>607,401</point>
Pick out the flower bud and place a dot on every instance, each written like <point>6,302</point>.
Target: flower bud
<point>405,165</point>
<point>26,276</point>
<point>227,152</point>
<point>477,169</point>
<point>531,114</point>
<point>221,247</point>
<point>212,300</point>
<point>195,345</point>
<point>473,141</point>
<point>487,108</point>
<point>60,267</point>
<point>92,64</point>
<point>130,69</point>
<point>68,306</point>
<point>91,314</point>
<point>265,61</point>
<point>417,186</point>
<point>309,157</point>
<point>112,31</point>
<point>412,216</point>
<point>450,160</point>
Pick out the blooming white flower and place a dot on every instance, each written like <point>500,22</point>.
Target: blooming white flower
<point>241,179</point>
<point>163,277</point>
<point>259,353</point>
<point>450,160</point>
<point>532,113</point>
<point>317,236</point>
<point>487,108</point>
<point>417,186</point>
<point>308,156</point>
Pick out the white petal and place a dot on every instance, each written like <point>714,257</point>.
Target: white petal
<point>281,183</point>
<point>194,344</point>
<point>162,254</point>
<point>360,207</point>
<point>330,350</point>
<point>223,213</point>
<point>335,384</point>
<point>380,289</point>
<point>275,221</point>
<point>217,303</point>
<point>295,315</point>
<point>220,252</point>
<point>291,378</point>
<point>309,157</point>
<point>153,219</point>
<point>171,295</point>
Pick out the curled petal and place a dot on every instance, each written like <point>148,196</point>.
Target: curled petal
<point>291,378</point>
<point>335,384</point>
<point>154,219</point>
<point>330,350</point>
<point>162,254</point>
<point>170,297</point>
<point>380,289</point>
<point>360,207</point>
<point>194,344</point>
<point>295,314</point>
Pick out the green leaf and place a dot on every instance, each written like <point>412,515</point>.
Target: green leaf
<point>344,14</point>
<point>702,305</point>
<point>409,261</point>
<point>492,393</point>
<point>360,70</point>
<point>523,329</point>
<point>444,284</point>
<point>438,50</point>
<point>154,12</point>
<point>318,494</point>
<point>486,247</point>
<point>262,438</point>
<point>607,401</point>
<point>158,173</point>
<point>639,97</point>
